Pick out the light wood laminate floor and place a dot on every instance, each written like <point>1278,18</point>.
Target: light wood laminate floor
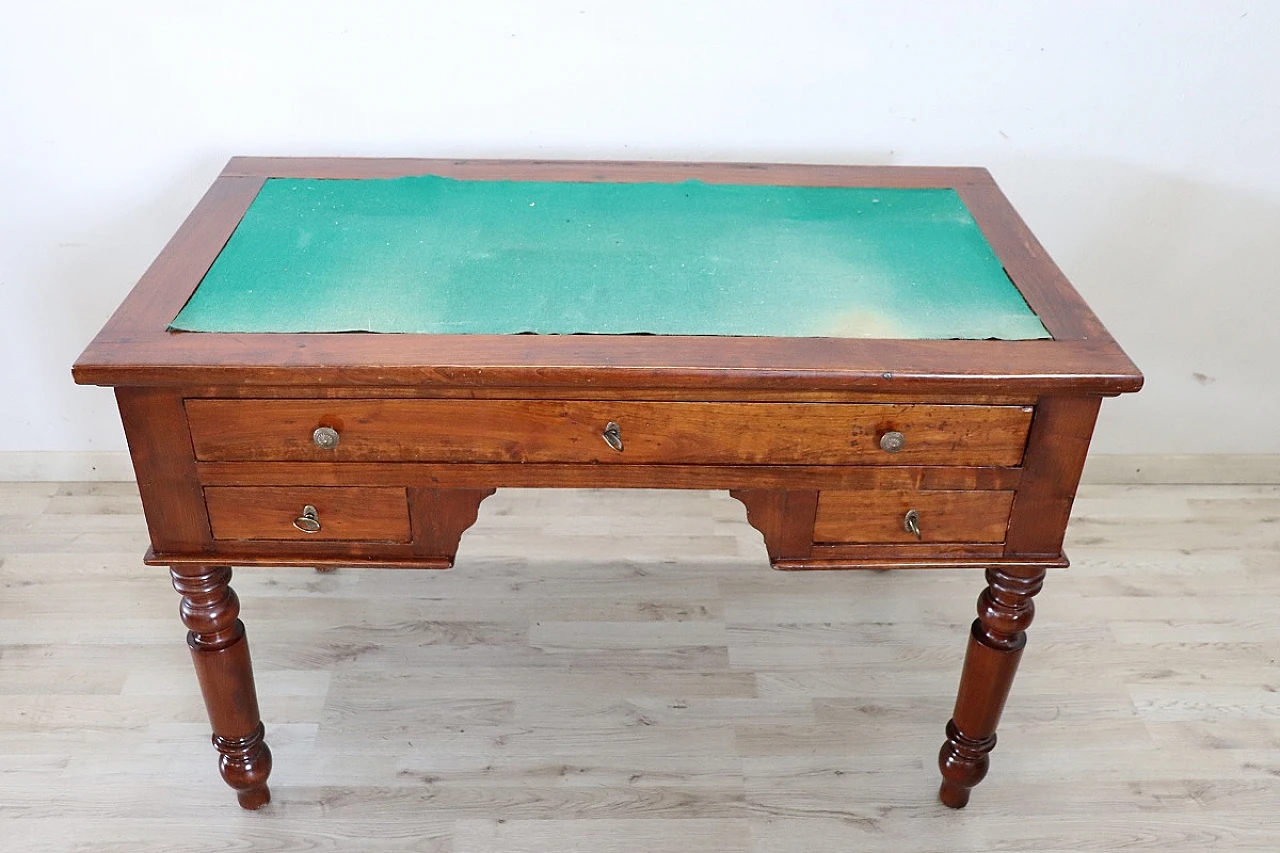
<point>621,671</point>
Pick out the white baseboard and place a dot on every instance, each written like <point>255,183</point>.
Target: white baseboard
<point>53,466</point>
<point>62,466</point>
<point>1188,469</point>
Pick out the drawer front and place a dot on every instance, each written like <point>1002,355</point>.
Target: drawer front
<point>348,514</point>
<point>574,431</point>
<point>875,517</point>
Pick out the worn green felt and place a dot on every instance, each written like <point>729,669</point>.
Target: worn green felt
<point>436,255</point>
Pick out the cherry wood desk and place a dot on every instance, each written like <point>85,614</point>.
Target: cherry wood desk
<point>863,441</point>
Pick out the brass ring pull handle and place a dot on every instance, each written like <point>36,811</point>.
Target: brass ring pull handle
<point>613,435</point>
<point>326,438</point>
<point>893,442</point>
<point>309,521</point>
<point>911,522</point>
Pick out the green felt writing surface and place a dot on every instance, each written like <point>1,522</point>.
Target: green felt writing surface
<point>442,256</point>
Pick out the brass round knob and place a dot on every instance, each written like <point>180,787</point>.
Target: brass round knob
<point>309,521</point>
<point>893,441</point>
<point>326,438</point>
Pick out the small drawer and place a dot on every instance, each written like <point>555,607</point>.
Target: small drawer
<point>619,433</point>
<point>270,512</point>
<point>875,517</point>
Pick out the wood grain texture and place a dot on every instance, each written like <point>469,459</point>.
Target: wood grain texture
<point>262,512</point>
<point>877,517</point>
<point>755,365</point>
<point>1056,452</point>
<point>938,555</point>
<point>571,687</point>
<point>1063,312</point>
<point>550,475</point>
<point>535,431</point>
<point>155,425</point>
<point>317,554</point>
<point>784,518</point>
<point>637,391</point>
<point>172,277</point>
<point>440,516</point>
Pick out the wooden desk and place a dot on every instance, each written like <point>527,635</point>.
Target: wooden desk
<point>255,448</point>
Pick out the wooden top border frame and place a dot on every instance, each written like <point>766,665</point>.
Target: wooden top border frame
<point>135,348</point>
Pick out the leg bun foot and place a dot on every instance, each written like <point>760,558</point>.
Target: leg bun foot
<point>953,796</point>
<point>254,799</point>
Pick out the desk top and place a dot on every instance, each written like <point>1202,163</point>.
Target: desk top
<point>435,255</point>
<point>844,326</point>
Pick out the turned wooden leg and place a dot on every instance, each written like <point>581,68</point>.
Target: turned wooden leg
<point>1005,609</point>
<point>220,651</point>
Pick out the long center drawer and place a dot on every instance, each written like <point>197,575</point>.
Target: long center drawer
<point>506,431</point>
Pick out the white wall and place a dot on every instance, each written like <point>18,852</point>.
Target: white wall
<point>1141,140</point>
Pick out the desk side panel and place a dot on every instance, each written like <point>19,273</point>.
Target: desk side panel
<point>155,425</point>
<point>1056,450</point>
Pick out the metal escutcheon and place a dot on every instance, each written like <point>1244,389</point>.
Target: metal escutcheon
<point>613,435</point>
<point>911,522</point>
<point>326,438</point>
<point>309,521</point>
<point>892,441</point>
